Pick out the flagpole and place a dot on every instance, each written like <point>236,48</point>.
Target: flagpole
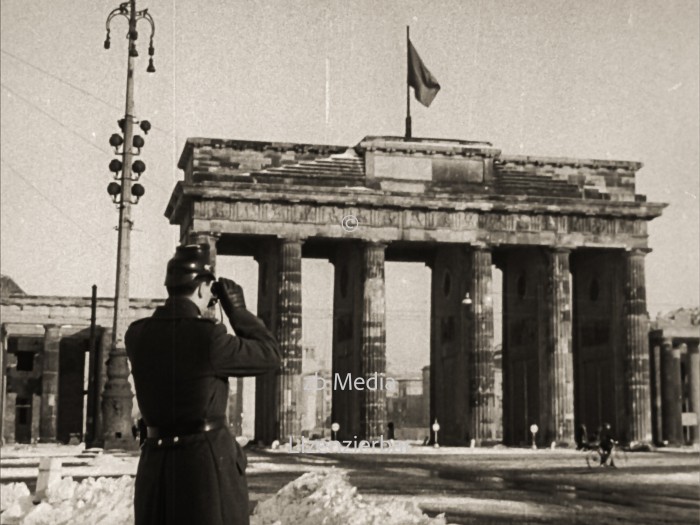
<point>408,88</point>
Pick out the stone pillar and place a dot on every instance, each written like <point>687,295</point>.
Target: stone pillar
<point>266,422</point>
<point>373,353</point>
<point>36,417</point>
<point>636,350</point>
<point>3,380</point>
<point>49,383</point>
<point>347,336</point>
<point>481,348</point>
<point>694,387</point>
<point>559,350</point>
<point>671,393</point>
<point>101,357</point>
<point>655,377</point>
<point>289,338</point>
<point>9,422</point>
<point>237,420</point>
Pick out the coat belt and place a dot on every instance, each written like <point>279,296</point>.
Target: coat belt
<point>185,429</point>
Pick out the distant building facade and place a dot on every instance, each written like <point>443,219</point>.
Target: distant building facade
<point>406,408</point>
<point>675,377</point>
<point>53,371</point>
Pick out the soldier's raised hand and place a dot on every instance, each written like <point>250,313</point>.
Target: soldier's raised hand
<point>230,295</point>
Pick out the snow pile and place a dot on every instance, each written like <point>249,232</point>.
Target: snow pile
<point>11,493</point>
<point>313,499</point>
<point>329,499</point>
<point>101,501</point>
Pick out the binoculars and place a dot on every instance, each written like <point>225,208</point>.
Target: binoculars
<point>217,291</point>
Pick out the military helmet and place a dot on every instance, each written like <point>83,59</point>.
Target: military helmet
<point>189,262</point>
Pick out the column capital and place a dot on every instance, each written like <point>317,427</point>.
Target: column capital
<point>480,247</point>
<point>637,252</point>
<point>291,238</point>
<point>560,249</point>
<point>380,245</point>
<point>52,327</point>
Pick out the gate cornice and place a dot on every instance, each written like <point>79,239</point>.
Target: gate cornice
<point>434,190</point>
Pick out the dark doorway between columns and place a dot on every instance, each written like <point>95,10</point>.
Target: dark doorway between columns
<point>71,388</point>
<point>598,339</point>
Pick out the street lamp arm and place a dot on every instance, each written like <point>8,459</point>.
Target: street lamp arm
<point>144,15</point>
<point>115,12</point>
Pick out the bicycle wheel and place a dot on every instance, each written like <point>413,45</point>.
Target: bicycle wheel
<point>592,458</point>
<point>619,457</point>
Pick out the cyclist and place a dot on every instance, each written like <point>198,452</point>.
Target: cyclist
<point>581,438</point>
<point>606,442</point>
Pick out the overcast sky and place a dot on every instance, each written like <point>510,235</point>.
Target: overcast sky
<point>596,79</point>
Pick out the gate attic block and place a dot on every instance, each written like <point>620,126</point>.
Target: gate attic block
<point>553,225</point>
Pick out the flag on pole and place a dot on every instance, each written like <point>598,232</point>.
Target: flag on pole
<point>424,84</point>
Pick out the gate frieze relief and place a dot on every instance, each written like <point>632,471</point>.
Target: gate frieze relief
<point>440,225</point>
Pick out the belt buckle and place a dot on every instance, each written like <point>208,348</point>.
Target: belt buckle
<point>166,441</point>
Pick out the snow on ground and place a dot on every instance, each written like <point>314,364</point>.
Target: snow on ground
<point>101,501</point>
<point>315,498</point>
<point>327,498</point>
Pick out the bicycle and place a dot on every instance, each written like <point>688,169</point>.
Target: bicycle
<point>596,456</point>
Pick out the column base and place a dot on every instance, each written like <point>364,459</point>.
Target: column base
<point>124,443</point>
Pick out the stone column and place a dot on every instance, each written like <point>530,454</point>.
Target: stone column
<point>266,385</point>
<point>559,349</point>
<point>347,336</point>
<point>694,390</point>
<point>49,383</point>
<point>289,338</point>
<point>10,413</point>
<point>655,378</point>
<point>636,350</point>
<point>373,353</point>
<point>3,380</point>
<point>101,357</point>
<point>671,393</point>
<point>481,348</point>
<point>237,420</point>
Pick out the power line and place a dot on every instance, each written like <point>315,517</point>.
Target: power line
<point>72,131</point>
<point>61,80</point>
<point>53,205</point>
<point>50,116</point>
<point>70,84</point>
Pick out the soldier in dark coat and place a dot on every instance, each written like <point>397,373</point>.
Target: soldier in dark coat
<point>191,469</point>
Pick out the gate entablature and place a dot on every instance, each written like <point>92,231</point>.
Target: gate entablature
<point>459,203</point>
<point>417,190</point>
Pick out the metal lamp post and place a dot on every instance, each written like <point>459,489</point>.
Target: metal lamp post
<point>334,430</point>
<point>533,430</point>
<point>117,398</point>
<point>436,429</point>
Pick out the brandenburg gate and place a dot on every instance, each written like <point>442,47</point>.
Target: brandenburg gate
<point>569,235</point>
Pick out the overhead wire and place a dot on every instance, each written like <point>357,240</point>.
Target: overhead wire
<point>72,131</point>
<point>74,86</point>
<point>53,205</point>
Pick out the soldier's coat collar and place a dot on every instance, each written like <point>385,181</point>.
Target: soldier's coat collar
<point>177,307</point>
